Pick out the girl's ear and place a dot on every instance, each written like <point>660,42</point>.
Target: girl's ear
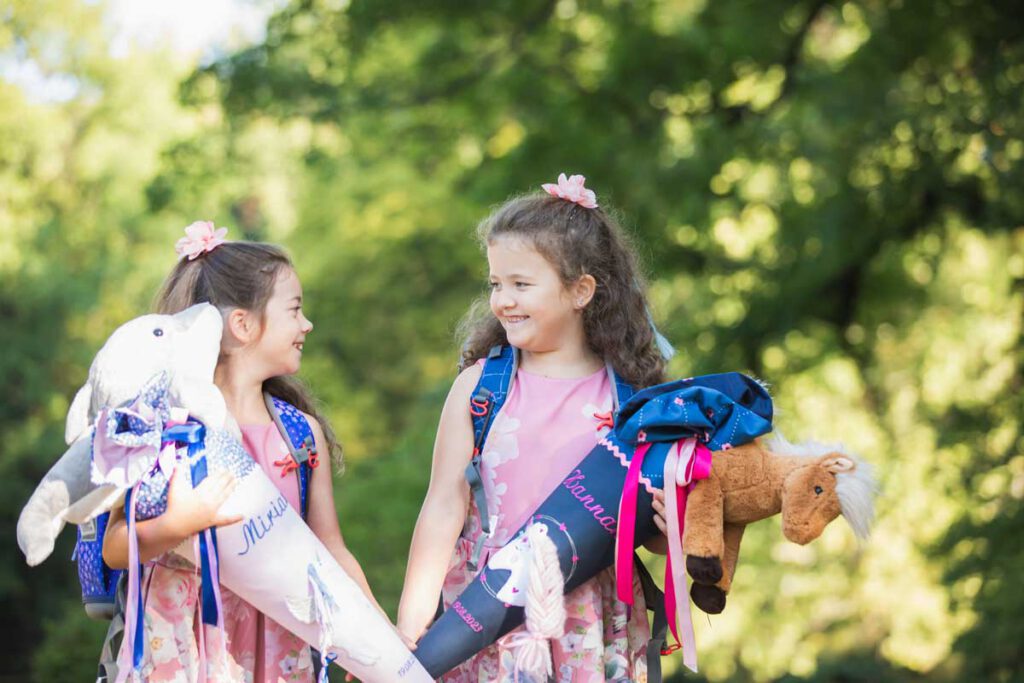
<point>583,291</point>
<point>241,325</point>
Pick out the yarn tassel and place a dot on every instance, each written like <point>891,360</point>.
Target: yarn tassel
<point>324,607</point>
<point>545,607</point>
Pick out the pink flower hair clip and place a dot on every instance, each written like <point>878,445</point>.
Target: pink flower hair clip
<point>572,190</point>
<point>200,238</point>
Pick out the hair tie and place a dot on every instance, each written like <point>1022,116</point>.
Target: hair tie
<point>572,190</point>
<point>200,238</point>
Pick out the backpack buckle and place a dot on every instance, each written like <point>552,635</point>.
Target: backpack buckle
<point>310,452</point>
<point>88,530</point>
<point>480,403</point>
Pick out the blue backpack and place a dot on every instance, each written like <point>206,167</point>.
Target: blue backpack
<point>99,582</point>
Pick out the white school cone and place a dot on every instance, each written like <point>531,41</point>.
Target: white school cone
<point>273,561</point>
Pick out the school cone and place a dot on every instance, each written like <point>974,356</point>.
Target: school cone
<point>582,515</point>
<point>271,559</point>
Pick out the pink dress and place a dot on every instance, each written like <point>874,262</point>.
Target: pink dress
<point>257,650</point>
<point>545,428</point>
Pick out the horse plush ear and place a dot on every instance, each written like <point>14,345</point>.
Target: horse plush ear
<point>838,464</point>
<point>78,414</point>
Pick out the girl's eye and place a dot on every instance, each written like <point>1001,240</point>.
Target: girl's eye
<point>520,285</point>
<point>492,285</point>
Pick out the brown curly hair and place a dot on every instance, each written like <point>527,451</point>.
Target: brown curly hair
<point>241,275</point>
<point>577,241</point>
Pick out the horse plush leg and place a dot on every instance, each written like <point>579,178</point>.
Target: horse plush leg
<point>732,536</point>
<point>711,599</point>
<point>703,544</point>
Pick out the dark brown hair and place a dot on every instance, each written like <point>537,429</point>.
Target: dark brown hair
<point>241,275</point>
<point>577,241</point>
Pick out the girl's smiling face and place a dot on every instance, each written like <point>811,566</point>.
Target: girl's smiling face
<point>527,295</point>
<point>284,327</point>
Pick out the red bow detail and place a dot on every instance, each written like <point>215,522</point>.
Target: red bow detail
<point>606,419</point>
<point>287,465</point>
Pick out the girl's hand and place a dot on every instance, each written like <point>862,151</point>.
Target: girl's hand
<point>191,510</point>
<point>659,511</point>
<point>408,638</point>
<point>659,544</point>
<point>409,643</point>
<point>405,639</point>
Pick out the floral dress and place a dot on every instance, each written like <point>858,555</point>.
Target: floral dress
<point>545,428</point>
<point>252,648</point>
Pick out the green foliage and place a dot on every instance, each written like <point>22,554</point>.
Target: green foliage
<point>825,194</point>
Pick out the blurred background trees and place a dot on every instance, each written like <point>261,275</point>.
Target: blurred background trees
<point>825,194</point>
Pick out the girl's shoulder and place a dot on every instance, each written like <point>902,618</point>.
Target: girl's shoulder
<point>314,426</point>
<point>456,405</point>
<point>468,378</point>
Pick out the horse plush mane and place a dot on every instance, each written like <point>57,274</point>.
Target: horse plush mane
<point>810,484</point>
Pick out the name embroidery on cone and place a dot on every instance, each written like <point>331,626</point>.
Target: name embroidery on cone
<point>573,484</point>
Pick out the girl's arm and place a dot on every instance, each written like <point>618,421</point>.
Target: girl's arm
<point>323,517</point>
<point>188,511</point>
<point>443,512</point>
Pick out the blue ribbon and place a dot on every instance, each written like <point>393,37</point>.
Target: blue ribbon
<point>194,434</point>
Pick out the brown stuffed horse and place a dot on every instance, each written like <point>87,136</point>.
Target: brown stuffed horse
<point>810,485</point>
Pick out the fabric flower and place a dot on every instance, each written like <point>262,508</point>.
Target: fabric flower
<point>288,665</point>
<point>572,190</point>
<point>200,238</point>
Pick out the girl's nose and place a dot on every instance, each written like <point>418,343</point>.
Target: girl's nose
<point>502,299</point>
<point>307,325</point>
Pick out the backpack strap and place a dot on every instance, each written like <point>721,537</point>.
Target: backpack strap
<point>655,599</point>
<point>488,397</point>
<point>622,390</point>
<point>298,436</point>
<point>107,667</point>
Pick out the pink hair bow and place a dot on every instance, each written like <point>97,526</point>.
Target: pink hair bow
<point>572,190</point>
<point>200,238</point>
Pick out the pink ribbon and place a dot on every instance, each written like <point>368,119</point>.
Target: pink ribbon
<point>624,538</point>
<point>687,462</point>
<point>126,657</point>
<point>200,626</point>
